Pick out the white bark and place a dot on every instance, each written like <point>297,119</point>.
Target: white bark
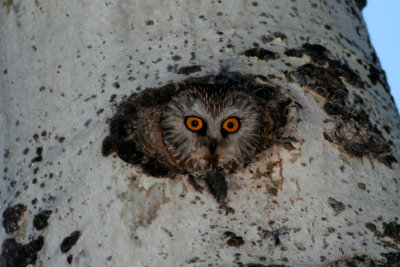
<point>62,61</point>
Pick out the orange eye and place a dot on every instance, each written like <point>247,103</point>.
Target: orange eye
<point>231,125</point>
<point>194,123</point>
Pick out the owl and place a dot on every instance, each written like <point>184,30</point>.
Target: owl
<point>205,127</point>
<point>213,127</point>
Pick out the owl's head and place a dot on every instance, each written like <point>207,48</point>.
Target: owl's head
<point>210,128</point>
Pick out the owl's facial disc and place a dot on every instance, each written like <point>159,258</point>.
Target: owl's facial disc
<point>208,129</point>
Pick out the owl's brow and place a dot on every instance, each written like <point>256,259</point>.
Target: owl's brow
<point>214,98</point>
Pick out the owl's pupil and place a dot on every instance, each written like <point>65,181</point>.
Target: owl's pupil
<point>230,125</point>
<point>195,123</point>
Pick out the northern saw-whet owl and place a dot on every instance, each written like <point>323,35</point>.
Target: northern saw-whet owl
<point>210,128</point>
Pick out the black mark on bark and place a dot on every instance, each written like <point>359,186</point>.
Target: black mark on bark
<point>69,241</point>
<point>189,69</point>
<point>12,217</point>
<point>261,54</point>
<point>40,220</point>
<point>337,206</point>
<point>14,254</point>
<point>233,240</point>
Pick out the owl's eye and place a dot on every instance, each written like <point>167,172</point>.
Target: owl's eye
<point>231,125</point>
<point>194,123</point>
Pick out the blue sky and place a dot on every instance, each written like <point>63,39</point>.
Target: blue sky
<point>383,22</point>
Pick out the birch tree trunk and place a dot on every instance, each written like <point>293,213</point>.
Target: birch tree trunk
<point>330,199</point>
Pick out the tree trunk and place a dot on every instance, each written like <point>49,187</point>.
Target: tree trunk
<point>325,192</point>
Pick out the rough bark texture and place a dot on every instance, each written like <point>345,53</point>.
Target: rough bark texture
<point>330,197</point>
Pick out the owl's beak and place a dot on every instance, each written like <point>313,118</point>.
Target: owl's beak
<point>213,146</point>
